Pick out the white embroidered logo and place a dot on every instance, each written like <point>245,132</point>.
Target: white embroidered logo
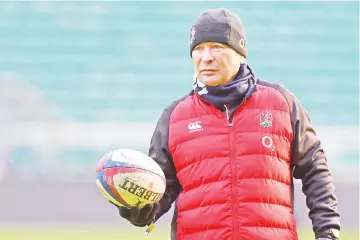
<point>266,119</point>
<point>242,43</point>
<point>193,31</point>
<point>268,143</point>
<point>195,126</point>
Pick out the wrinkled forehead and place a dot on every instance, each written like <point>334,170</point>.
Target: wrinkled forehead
<point>210,44</point>
<point>216,47</point>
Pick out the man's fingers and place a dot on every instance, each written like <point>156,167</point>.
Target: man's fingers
<point>152,214</point>
<point>139,216</point>
<point>124,212</point>
<point>134,214</point>
<point>145,212</point>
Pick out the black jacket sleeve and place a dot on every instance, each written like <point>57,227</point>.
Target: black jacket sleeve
<point>309,164</point>
<point>160,153</point>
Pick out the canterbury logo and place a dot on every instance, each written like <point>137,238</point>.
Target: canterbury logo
<point>195,126</point>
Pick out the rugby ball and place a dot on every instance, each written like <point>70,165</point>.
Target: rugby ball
<point>128,177</point>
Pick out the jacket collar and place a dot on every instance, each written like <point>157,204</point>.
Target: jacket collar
<point>230,94</point>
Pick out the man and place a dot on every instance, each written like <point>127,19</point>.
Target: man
<point>231,148</point>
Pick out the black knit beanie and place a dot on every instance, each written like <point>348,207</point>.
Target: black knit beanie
<point>219,25</point>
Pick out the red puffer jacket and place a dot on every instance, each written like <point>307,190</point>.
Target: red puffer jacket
<point>231,175</point>
<point>235,177</point>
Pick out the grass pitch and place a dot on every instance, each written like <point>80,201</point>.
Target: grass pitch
<point>110,234</point>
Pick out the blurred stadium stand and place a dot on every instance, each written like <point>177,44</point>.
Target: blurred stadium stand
<point>78,79</point>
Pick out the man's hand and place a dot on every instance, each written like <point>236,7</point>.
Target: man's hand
<point>139,217</point>
<point>331,234</point>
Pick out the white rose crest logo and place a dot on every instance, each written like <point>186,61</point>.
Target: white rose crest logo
<point>266,119</point>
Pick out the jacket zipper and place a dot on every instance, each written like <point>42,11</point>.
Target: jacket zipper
<point>233,171</point>
<point>227,112</point>
<point>229,121</point>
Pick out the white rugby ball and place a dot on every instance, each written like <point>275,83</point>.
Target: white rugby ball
<point>129,177</point>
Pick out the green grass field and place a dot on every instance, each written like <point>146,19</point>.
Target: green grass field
<point>138,234</point>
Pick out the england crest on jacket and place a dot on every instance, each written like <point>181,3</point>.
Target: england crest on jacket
<point>266,119</point>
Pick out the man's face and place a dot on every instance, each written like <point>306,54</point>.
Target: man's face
<point>215,63</point>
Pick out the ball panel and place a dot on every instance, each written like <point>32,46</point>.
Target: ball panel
<point>141,160</point>
<point>110,173</point>
<point>128,168</point>
<point>106,180</point>
<point>114,164</point>
<point>102,179</point>
<point>102,161</point>
<point>106,194</point>
<point>139,188</point>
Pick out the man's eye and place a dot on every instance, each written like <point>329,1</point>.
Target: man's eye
<point>217,46</point>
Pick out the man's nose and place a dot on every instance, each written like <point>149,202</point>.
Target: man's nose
<point>207,56</point>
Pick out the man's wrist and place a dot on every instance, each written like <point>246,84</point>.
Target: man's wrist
<point>331,234</point>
